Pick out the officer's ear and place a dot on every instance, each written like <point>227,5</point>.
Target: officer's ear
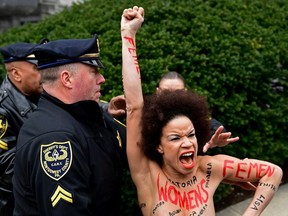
<point>65,77</point>
<point>15,74</point>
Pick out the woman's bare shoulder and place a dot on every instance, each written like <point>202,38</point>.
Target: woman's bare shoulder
<point>215,160</point>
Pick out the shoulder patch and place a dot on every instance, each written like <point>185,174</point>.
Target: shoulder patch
<point>3,125</point>
<point>56,159</point>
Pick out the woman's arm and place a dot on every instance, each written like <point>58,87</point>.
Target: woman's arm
<point>130,23</point>
<point>267,175</point>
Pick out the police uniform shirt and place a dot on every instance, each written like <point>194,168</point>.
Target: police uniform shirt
<point>69,164</point>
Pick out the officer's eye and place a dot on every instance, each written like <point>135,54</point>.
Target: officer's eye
<point>94,71</point>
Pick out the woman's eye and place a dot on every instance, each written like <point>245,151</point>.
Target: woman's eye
<point>174,138</point>
<point>191,135</point>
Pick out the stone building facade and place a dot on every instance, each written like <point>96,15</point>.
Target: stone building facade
<point>18,12</point>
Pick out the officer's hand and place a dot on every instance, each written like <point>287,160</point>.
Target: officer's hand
<point>219,139</point>
<point>117,106</point>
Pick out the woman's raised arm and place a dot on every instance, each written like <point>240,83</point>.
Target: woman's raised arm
<point>131,21</point>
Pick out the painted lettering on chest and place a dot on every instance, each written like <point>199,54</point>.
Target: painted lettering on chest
<point>244,170</point>
<point>201,212</point>
<point>188,199</point>
<point>184,184</point>
<point>157,206</point>
<point>173,213</point>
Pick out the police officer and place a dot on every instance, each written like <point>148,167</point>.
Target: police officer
<point>69,157</point>
<point>19,93</point>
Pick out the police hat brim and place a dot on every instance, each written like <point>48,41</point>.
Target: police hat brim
<point>95,62</point>
<point>32,61</point>
<point>92,62</point>
<point>18,52</point>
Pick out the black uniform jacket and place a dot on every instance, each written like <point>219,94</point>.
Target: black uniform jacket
<point>15,108</point>
<point>68,161</point>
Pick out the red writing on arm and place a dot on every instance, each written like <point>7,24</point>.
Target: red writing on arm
<point>261,169</point>
<point>132,51</point>
<point>240,170</point>
<point>226,166</point>
<point>130,40</point>
<point>244,170</point>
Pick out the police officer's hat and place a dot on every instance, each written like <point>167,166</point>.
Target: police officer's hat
<point>18,52</point>
<point>65,51</point>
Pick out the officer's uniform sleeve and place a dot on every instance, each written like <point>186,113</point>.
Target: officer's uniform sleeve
<point>8,135</point>
<point>60,174</point>
<point>120,129</point>
<point>8,139</point>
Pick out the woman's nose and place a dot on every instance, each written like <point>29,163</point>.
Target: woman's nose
<point>186,142</point>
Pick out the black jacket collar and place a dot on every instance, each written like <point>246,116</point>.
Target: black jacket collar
<point>22,103</point>
<point>87,111</point>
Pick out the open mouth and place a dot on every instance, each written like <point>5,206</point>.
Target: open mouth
<point>187,159</point>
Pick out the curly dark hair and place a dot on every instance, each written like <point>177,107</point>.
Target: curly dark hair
<point>162,107</point>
